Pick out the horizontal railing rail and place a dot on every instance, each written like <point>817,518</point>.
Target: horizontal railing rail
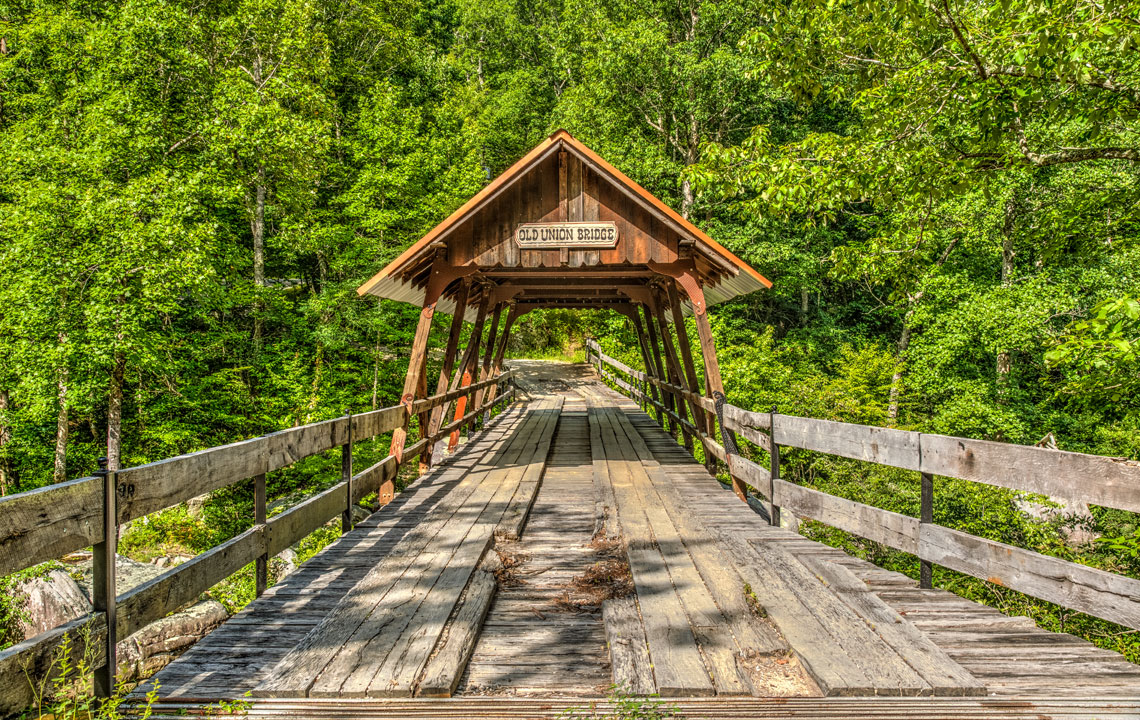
<point>50,522</point>
<point>1094,479</point>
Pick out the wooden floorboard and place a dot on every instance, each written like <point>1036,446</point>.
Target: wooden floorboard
<point>526,631</point>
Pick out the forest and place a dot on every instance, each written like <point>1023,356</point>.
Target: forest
<point>946,196</point>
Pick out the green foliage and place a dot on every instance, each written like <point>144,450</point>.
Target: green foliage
<point>947,198</point>
<point>1100,356</point>
<point>626,706</point>
<point>63,693</point>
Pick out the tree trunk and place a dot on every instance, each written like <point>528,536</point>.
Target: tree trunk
<point>805,301</point>
<point>376,371</point>
<point>1004,358</point>
<point>5,438</point>
<point>59,474</point>
<point>115,412</point>
<point>896,378</point>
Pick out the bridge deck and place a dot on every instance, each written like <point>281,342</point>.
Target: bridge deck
<point>632,568</point>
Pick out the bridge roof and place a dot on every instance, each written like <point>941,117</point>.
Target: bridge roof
<point>561,180</point>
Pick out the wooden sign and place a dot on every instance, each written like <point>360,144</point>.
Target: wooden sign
<point>537,236</point>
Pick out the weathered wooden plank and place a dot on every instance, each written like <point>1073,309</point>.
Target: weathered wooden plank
<point>37,658</point>
<point>710,626</point>
<point>370,479</point>
<point>888,673</point>
<point>882,526</point>
<point>739,419</point>
<point>827,662</point>
<point>377,422</point>
<point>303,518</point>
<point>752,473</point>
<point>49,522</point>
<point>442,673</point>
<point>677,664</point>
<point>885,446</point>
<point>288,446</point>
<point>1096,592</point>
<point>296,673</point>
<point>155,486</point>
<point>946,677</point>
<point>434,401</point>
<point>182,585</point>
<point>630,666</point>
<point>514,517</point>
<point>1097,480</point>
<point>398,674</point>
<point>366,666</point>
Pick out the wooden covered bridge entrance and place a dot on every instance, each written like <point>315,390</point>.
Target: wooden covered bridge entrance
<point>574,542</point>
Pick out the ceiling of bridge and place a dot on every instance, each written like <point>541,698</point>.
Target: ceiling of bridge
<point>562,227</point>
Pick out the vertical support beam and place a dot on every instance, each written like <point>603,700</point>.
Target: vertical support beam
<point>488,355</point>
<point>774,512</point>
<point>501,351</point>
<point>260,518</point>
<point>704,420</point>
<point>346,477</point>
<point>926,515</point>
<point>442,274</point>
<point>470,362</point>
<point>448,364</point>
<point>714,385</point>
<point>103,591</point>
<point>658,370</point>
<point>647,363</point>
<point>673,369</point>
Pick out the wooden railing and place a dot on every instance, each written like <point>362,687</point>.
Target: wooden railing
<point>49,522</point>
<point>1093,479</point>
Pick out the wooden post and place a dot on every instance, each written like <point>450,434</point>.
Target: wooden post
<point>346,476</point>
<point>488,355</point>
<point>103,590</point>
<point>448,364</point>
<point>261,567</point>
<point>773,476</point>
<point>470,362</point>
<point>673,370</point>
<point>926,515</point>
<point>658,371</point>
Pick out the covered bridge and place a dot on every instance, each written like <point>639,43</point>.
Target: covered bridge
<point>571,542</point>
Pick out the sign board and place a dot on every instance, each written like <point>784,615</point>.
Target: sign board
<point>541,236</point>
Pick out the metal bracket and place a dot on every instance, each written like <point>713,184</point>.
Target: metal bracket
<point>725,434</point>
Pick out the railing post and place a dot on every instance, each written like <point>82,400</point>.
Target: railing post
<point>346,476</point>
<point>774,475</point>
<point>261,565</point>
<point>926,515</point>
<point>103,591</point>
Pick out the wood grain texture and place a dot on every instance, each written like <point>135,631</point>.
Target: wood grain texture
<point>1096,592</point>
<point>1097,480</point>
<point>625,637</point>
<point>49,522</point>
<point>882,526</point>
<point>444,670</point>
<point>885,446</point>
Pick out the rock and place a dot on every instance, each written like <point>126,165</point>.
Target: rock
<point>50,600</point>
<point>284,563</point>
<point>195,504</point>
<point>58,597</point>
<point>359,514</point>
<point>152,648</point>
